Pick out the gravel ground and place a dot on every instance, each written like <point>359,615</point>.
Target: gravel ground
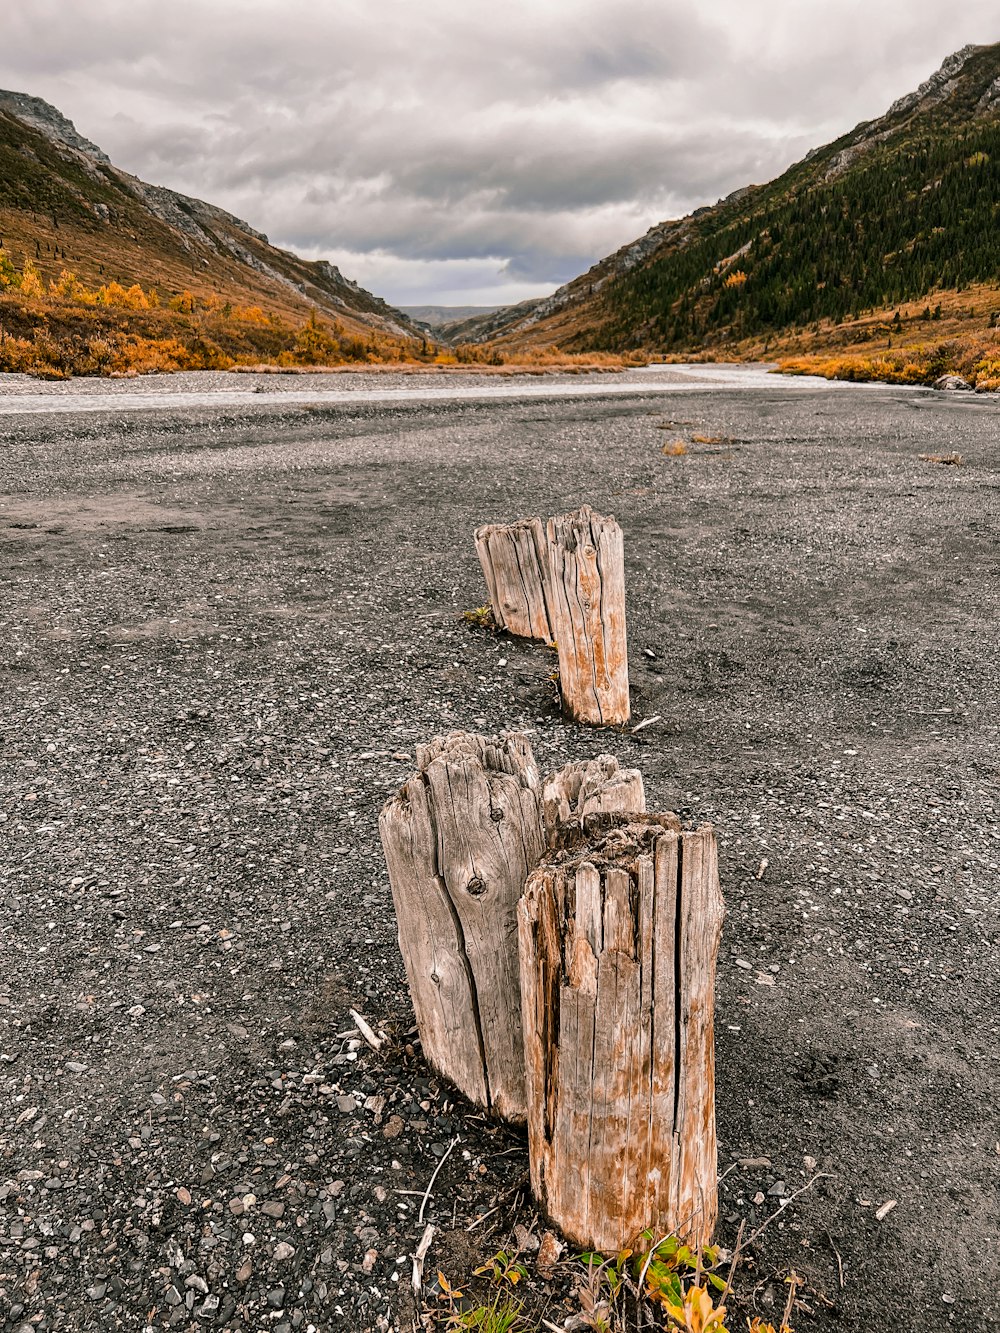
<point>225,628</point>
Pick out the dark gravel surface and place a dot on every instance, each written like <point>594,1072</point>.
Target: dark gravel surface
<point>223,632</point>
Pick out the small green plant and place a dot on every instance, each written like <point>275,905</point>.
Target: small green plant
<point>501,1314</point>
<point>481,617</point>
<point>665,1268</point>
<point>503,1267</point>
<point>669,1274</point>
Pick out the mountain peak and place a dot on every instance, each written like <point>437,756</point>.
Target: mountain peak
<point>941,84</point>
<point>51,122</point>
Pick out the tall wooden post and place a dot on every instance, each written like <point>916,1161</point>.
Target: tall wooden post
<point>587,589</point>
<point>515,563</point>
<point>460,839</point>
<point>619,931</point>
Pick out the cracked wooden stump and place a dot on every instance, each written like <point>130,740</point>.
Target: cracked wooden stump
<point>619,931</point>
<point>515,562</point>
<point>590,787</point>
<point>587,610</point>
<point>460,839</point>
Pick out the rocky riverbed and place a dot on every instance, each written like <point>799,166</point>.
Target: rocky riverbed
<point>225,627</point>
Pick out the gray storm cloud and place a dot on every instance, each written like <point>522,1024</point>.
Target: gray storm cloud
<point>469,152</point>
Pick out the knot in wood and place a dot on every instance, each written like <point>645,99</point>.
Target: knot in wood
<point>476,886</point>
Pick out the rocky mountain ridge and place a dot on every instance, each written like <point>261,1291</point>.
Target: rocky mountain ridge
<point>633,296</point>
<point>51,122</point>
<point>61,195</point>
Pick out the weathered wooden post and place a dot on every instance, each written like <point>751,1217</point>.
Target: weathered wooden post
<point>590,787</point>
<point>460,839</point>
<point>587,613</point>
<point>514,557</point>
<point>619,931</point>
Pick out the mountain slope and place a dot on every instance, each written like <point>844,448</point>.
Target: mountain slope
<point>899,208</point>
<point>64,205</point>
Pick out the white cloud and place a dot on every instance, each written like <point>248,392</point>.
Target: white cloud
<point>454,151</point>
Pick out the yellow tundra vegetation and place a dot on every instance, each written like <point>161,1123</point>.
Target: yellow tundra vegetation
<point>976,358</point>
<point>65,328</point>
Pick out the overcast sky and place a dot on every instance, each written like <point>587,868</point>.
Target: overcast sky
<point>470,151</point>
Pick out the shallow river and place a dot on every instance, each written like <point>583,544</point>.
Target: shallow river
<point>21,394</point>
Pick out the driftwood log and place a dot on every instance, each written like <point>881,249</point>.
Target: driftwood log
<point>619,931</point>
<point>460,839</point>
<point>515,562</point>
<point>587,611</point>
<point>591,787</point>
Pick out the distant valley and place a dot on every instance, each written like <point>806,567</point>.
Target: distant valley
<point>440,316</point>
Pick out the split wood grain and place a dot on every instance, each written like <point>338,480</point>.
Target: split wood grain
<point>587,608</point>
<point>460,838</point>
<point>619,931</point>
<point>515,562</point>
<point>590,787</point>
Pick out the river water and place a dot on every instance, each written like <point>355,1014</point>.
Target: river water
<point>20,394</point>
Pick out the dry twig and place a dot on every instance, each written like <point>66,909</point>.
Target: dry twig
<point>363,1027</point>
<point>419,1255</point>
<point>430,1183</point>
<point>840,1262</point>
<point>646,722</point>
<point>820,1175</point>
<point>794,1282</point>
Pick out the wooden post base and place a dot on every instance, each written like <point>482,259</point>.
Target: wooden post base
<point>590,787</point>
<point>587,589</point>
<point>515,562</point>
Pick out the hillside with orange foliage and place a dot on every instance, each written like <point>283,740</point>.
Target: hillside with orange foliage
<point>99,269</point>
<point>63,327</point>
<point>950,333</point>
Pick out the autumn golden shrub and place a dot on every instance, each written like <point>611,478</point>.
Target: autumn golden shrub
<point>976,357</point>
<point>31,283</point>
<point>250,314</point>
